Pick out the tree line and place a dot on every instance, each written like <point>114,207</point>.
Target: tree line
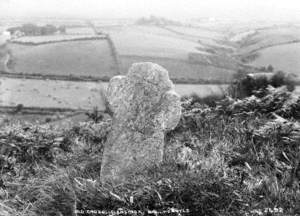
<point>30,29</point>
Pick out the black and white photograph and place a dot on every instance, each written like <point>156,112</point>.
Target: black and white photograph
<point>149,108</point>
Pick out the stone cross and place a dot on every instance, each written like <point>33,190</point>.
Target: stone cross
<point>144,106</point>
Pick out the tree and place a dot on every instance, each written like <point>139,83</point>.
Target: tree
<point>30,29</point>
<point>62,29</point>
<point>270,68</point>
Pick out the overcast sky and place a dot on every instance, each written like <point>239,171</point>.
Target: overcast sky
<point>176,9</point>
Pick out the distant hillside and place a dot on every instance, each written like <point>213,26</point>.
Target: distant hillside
<point>154,20</point>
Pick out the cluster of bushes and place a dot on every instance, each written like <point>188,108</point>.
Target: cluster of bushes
<point>30,29</point>
<point>185,80</point>
<point>247,84</point>
<point>159,21</point>
<point>276,100</point>
<point>230,157</point>
<point>252,142</point>
<point>70,77</point>
<point>27,146</point>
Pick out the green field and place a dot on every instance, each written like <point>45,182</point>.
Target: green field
<point>182,55</point>
<point>205,36</point>
<point>180,50</point>
<point>151,41</point>
<point>74,58</point>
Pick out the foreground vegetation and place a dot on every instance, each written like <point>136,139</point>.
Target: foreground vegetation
<point>230,157</point>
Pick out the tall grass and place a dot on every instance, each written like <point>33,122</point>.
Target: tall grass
<point>231,158</point>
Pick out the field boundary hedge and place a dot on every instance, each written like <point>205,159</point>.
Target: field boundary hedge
<point>99,79</point>
<point>188,60</point>
<point>186,34</point>
<point>114,53</point>
<point>272,45</point>
<point>38,110</point>
<point>54,77</point>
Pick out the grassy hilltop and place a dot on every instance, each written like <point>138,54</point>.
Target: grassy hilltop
<point>233,157</point>
<point>237,154</point>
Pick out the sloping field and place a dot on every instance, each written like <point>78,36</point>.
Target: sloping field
<point>282,57</point>
<point>136,40</point>
<point>73,58</point>
<point>50,93</point>
<point>197,32</point>
<point>242,36</point>
<point>183,71</point>
<point>178,54</point>
<point>206,37</point>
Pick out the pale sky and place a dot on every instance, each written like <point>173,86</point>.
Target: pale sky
<point>176,9</point>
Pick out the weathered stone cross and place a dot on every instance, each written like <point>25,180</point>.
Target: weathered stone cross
<point>144,106</point>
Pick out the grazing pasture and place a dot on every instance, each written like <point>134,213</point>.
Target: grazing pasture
<point>182,55</point>
<point>50,93</point>
<point>72,58</point>
<point>75,95</point>
<point>142,41</point>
